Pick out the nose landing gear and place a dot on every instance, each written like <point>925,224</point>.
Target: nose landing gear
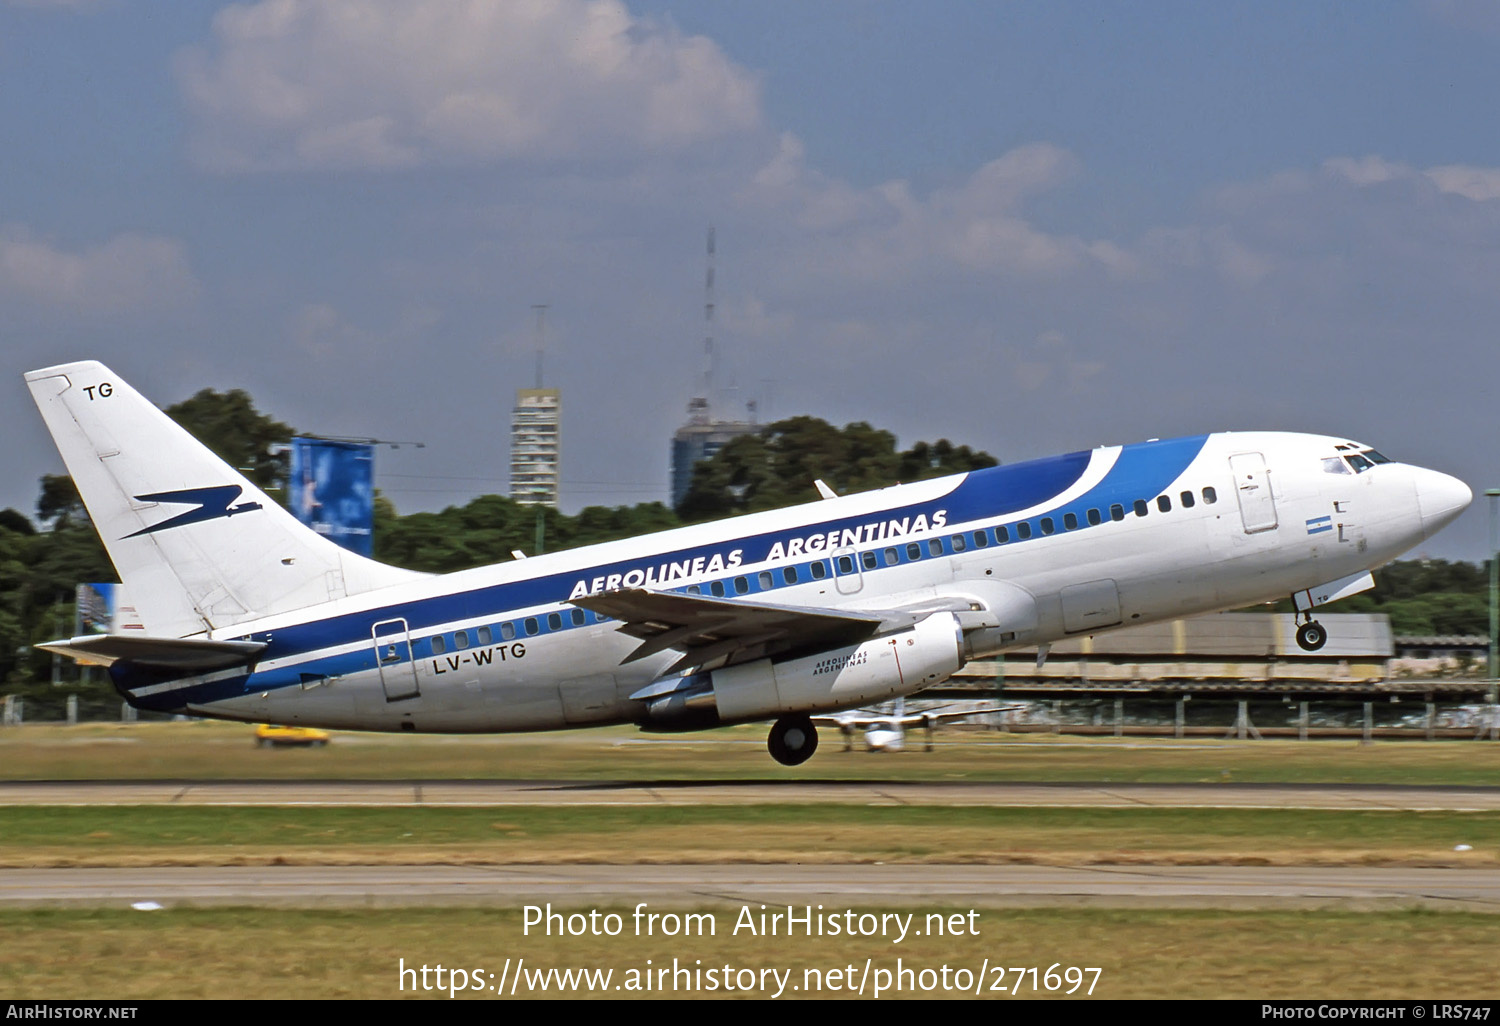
<point>1311,635</point>
<point>793,740</point>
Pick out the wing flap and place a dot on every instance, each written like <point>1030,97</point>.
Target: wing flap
<point>705,629</point>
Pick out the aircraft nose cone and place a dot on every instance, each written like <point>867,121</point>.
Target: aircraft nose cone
<point>1440,498</point>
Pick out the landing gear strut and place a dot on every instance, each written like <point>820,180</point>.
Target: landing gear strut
<point>1311,635</point>
<point>793,740</point>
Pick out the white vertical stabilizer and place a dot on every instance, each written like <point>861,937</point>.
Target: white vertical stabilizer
<point>198,545</point>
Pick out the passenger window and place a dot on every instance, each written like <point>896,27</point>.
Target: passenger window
<point>981,539</point>
<point>958,543</point>
<point>1164,503</point>
<point>789,575</point>
<point>531,626</point>
<point>892,557</point>
<point>870,560</point>
<point>914,551</point>
<point>934,547</point>
<point>578,618</point>
<point>1187,500</point>
<point>554,621</point>
<point>1070,521</point>
<point>1047,525</point>
<point>483,636</point>
<point>741,585</point>
<point>1095,517</point>
<point>767,582</point>
<point>1002,534</point>
<point>694,589</point>
<point>717,587</point>
<point>1116,512</point>
<point>1141,509</point>
<point>1023,530</point>
<point>438,646</point>
<point>819,570</point>
<point>1209,495</point>
<point>507,631</point>
<point>461,640</point>
<point>846,565</point>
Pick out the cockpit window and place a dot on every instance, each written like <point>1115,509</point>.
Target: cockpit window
<point>1359,463</point>
<point>1375,457</point>
<point>1334,465</point>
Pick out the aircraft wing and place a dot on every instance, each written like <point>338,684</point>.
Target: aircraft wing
<point>705,629</point>
<point>861,719</point>
<point>954,714</point>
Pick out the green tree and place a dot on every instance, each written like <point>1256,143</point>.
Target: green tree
<point>239,434</point>
<point>777,466</point>
<point>60,504</point>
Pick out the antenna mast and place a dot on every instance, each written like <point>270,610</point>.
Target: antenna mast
<point>541,338</point>
<point>708,321</point>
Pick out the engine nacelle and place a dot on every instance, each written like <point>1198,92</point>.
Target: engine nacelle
<point>882,668</point>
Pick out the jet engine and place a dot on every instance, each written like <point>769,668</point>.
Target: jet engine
<point>884,667</point>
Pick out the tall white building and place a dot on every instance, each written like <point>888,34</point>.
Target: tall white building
<point>535,435</point>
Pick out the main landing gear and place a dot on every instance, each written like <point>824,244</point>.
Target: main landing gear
<point>793,740</point>
<point>1311,635</point>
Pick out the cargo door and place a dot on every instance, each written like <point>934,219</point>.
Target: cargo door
<point>1091,606</point>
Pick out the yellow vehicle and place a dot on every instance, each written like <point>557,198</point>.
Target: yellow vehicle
<point>268,735</point>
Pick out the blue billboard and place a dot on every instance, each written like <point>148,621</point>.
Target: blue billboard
<point>332,490</point>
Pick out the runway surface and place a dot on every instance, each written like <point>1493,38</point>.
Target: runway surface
<point>686,885</point>
<point>800,792</point>
<point>577,887</point>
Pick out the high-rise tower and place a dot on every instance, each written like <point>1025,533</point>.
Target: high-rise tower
<point>536,434</point>
<point>535,425</point>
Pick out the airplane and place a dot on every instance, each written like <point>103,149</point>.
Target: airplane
<point>885,730</point>
<point>832,604</point>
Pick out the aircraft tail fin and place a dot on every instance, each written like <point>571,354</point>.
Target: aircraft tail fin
<point>197,545</point>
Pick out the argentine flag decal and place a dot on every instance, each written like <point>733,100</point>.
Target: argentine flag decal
<point>1317,525</point>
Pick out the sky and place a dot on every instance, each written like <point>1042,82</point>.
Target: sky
<point>1026,227</point>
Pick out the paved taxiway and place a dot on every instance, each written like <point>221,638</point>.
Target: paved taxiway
<point>531,792</point>
<point>680,886</point>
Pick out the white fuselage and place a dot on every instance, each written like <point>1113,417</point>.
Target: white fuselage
<point>1031,554</point>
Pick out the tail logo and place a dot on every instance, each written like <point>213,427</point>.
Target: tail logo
<point>211,503</point>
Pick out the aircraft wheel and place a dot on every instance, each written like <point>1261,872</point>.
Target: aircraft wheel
<point>1311,636</point>
<point>793,740</point>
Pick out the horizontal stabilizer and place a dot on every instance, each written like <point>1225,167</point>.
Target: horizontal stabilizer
<point>186,654</point>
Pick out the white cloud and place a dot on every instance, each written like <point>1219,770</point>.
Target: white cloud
<point>1479,184</point>
<point>399,83</point>
<point>1369,170</point>
<point>1476,183</point>
<point>886,231</point>
<point>129,273</point>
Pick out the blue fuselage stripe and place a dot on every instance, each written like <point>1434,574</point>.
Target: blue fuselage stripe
<point>1140,472</point>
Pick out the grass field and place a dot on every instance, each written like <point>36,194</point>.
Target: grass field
<point>41,836</point>
<point>219,751</point>
<point>257,953</point>
<point>250,953</point>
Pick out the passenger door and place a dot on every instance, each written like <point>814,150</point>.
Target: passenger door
<point>1252,486</point>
